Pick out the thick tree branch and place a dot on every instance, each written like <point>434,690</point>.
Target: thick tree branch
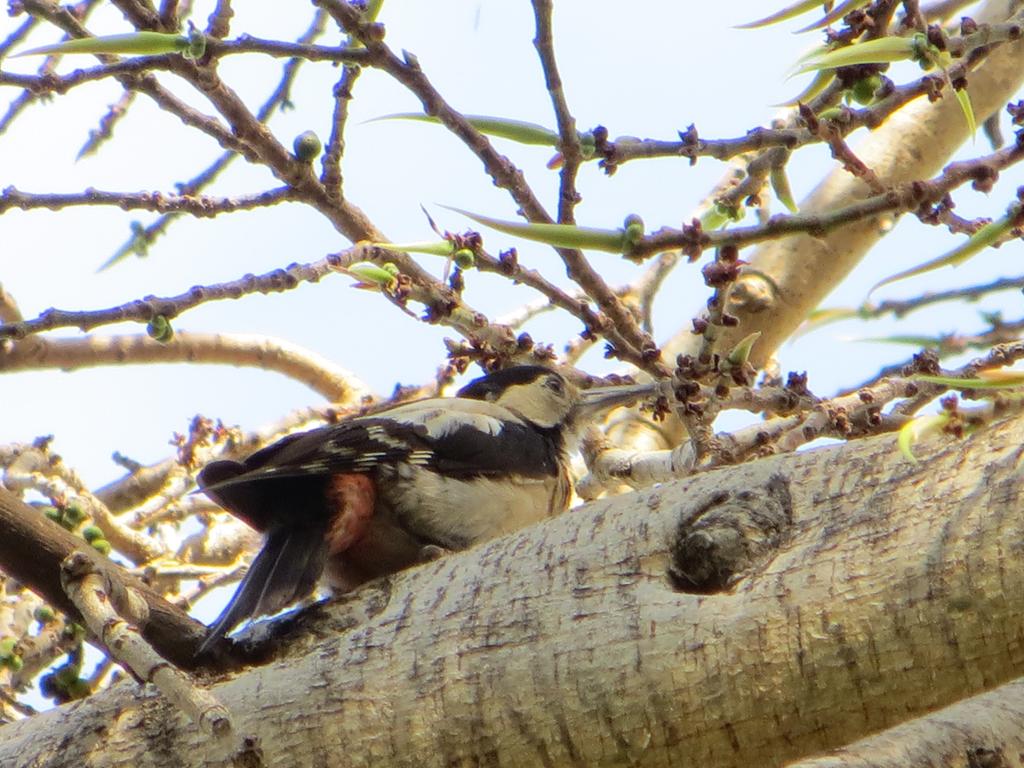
<point>849,590</point>
<point>984,731</point>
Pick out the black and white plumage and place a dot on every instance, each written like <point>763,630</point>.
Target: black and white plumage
<point>375,494</point>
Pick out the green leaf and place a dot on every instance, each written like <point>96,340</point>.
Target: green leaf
<point>986,380</point>
<point>780,185</point>
<point>373,276</point>
<point>921,342</point>
<point>514,130</point>
<point>916,429</point>
<point>739,354</point>
<point>140,43</point>
<point>820,82</point>
<point>980,240</point>
<point>558,235</point>
<point>372,10</point>
<point>835,14</point>
<point>789,12</point>
<point>964,100</point>
<point>442,248</point>
<point>882,50</point>
<point>137,244</point>
<point>718,215</point>
<point>944,60</point>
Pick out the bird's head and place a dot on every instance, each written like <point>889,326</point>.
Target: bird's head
<point>547,399</point>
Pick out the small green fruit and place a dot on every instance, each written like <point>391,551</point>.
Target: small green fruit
<point>464,258</point>
<point>307,146</point>
<point>44,614</point>
<point>634,229</point>
<point>159,328</point>
<point>7,647</point>
<point>73,516</point>
<point>863,91</point>
<point>196,45</point>
<point>102,546</point>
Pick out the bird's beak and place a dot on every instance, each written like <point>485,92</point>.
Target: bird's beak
<point>597,401</point>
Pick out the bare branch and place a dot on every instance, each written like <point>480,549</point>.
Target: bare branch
<point>569,142</point>
<point>625,335</point>
<point>32,549</point>
<point>316,372</point>
<point>202,206</point>
<point>898,199</point>
<point>110,608</point>
<point>144,310</point>
<point>331,177</point>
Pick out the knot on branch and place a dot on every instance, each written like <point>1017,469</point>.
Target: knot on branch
<point>81,571</point>
<point>729,537</point>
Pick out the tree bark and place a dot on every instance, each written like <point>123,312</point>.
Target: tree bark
<point>981,732</point>
<point>877,589</point>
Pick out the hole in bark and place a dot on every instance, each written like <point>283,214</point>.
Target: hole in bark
<point>729,536</point>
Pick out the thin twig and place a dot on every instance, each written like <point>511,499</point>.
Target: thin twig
<point>219,25</point>
<point>331,176</point>
<point>110,614</point>
<point>626,338</point>
<point>145,237</point>
<point>144,310</point>
<point>902,307</point>
<point>569,141</point>
<point>200,206</point>
<point>900,199</point>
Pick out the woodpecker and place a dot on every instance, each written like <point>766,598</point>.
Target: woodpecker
<point>375,494</point>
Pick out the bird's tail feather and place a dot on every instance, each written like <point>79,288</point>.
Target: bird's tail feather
<point>285,570</point>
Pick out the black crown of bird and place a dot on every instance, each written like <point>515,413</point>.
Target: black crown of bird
<point>374,494</point>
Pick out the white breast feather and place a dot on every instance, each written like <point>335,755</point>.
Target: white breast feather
<point>487,508</point>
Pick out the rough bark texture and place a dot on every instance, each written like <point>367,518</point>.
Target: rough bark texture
<point>888,589</point>
<point>982,732</point>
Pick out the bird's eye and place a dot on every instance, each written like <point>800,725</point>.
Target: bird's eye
<point>555,385</point>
